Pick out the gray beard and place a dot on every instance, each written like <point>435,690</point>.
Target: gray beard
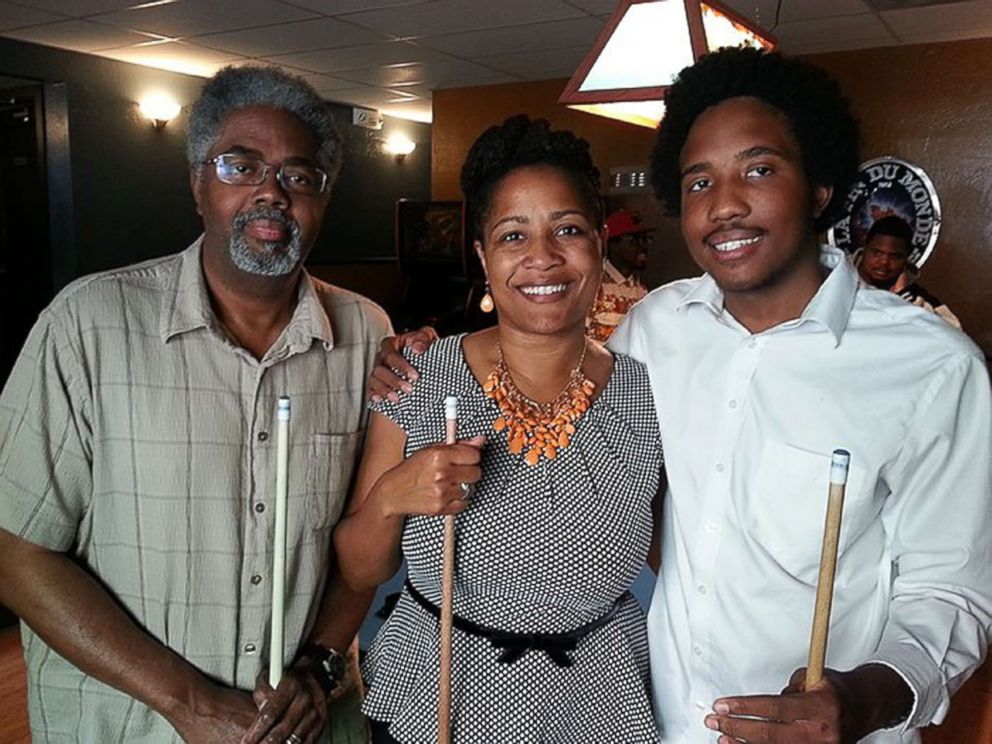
<point>275,259</point>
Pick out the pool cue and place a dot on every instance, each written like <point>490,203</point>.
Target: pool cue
<point>278,641</point>
<point>447,591</point>
<point>839,465</point>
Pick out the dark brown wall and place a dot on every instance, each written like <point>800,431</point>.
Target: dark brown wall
<point>462,114</point>
<point>930,104</point>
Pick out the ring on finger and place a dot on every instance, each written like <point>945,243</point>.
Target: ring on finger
<point>467,489</point>
<point>294,739</point>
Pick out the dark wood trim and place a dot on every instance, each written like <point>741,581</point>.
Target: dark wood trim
<point>571,93</point>
<point>738,18</point>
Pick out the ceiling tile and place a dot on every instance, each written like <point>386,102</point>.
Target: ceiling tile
<point>453,16</point>
<point>476,82</point>
<point>288,38</point>
<point>421,111</point>
<point>549,35</point>
<point>538,65</point>
<point>841,45</point>
<point>78,35</point>
<point>336,7</point>
<point>174,55</point>
<point>804,10</point>
<point>368,96</point>
<point>964,17</point>
<point>78,8</point>
<point>596,7</point>
<point>762,12</point>
<point>359,57</point>
<point>799,36</point>
<point>425,91</point>
<point>427,73</point>
<point>192,17</point>
<point>322,83</point>
<point>17,16</point>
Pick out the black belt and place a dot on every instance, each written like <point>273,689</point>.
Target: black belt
<point>514,645</point>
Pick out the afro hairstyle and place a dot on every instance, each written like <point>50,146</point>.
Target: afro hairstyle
<point>811,101</point>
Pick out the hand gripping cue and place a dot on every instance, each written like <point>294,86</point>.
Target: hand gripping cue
<point>839,465</point>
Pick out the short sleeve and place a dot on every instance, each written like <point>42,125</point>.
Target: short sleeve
<point>45,442</point>
<point>405,412</point>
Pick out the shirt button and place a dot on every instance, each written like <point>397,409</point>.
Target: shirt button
<point>697,650</point>
<point>256,579</point>
<point>711,527</point>
<point>752,343</point>
<point>700,705</point>
<point>263,436</point>
<point>732,403</point>
<point>701,588</point>
<point>719,467</point>
<point>250,648</point>
<point>260,507</point>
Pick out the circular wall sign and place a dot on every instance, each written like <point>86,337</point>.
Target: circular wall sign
<point>889,186</point>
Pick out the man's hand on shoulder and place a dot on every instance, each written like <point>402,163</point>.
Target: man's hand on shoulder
<point>393,374</point>
<point>842,709</point>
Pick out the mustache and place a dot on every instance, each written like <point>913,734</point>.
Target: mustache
<point>735,226</point>
<point>269,214</point>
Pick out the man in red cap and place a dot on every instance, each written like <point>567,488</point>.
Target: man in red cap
<point>626,255</point>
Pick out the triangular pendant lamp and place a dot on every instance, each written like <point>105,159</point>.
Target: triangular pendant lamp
<point>642,48</point>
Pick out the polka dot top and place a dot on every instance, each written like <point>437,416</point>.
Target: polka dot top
<point>541,549</point>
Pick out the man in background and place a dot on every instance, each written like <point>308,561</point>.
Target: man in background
<point>626,256</point>
<point>138,456</point>
<point>884,263</point>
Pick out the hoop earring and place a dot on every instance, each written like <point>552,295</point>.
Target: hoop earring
<point>486,304</point>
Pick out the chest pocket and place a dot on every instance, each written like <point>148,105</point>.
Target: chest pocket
<point>330,465</point>
<point>788,507</point>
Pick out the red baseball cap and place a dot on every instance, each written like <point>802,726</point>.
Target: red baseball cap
<point>622,222</point>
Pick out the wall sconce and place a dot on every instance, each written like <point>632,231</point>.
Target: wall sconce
<point>160,109</point>
<point>399,145</point>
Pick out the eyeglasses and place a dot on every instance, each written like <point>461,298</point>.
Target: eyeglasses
<point>246,170</point>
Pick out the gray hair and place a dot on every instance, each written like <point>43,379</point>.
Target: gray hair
<point>239,87</point>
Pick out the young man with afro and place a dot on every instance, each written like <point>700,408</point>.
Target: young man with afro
<point>761,367</point>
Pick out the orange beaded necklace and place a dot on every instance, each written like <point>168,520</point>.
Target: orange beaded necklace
<point>538,429</point>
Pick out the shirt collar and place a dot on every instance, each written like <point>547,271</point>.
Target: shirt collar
<point>616,275</point>
<point>830,307</point>
<point>186,307</point>
<point>186,304</point>
<point>613,272</point>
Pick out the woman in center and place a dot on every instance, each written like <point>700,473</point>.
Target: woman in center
<point>553,482</point>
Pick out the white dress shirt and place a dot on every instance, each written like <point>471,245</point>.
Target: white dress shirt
<point>748,422</point>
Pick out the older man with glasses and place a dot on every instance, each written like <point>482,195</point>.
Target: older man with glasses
<point>137,467</point>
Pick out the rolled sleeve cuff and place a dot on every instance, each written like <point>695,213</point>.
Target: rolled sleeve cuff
<point>930,698</point>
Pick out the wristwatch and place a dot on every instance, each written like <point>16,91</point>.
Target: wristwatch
<point>329,666</point>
